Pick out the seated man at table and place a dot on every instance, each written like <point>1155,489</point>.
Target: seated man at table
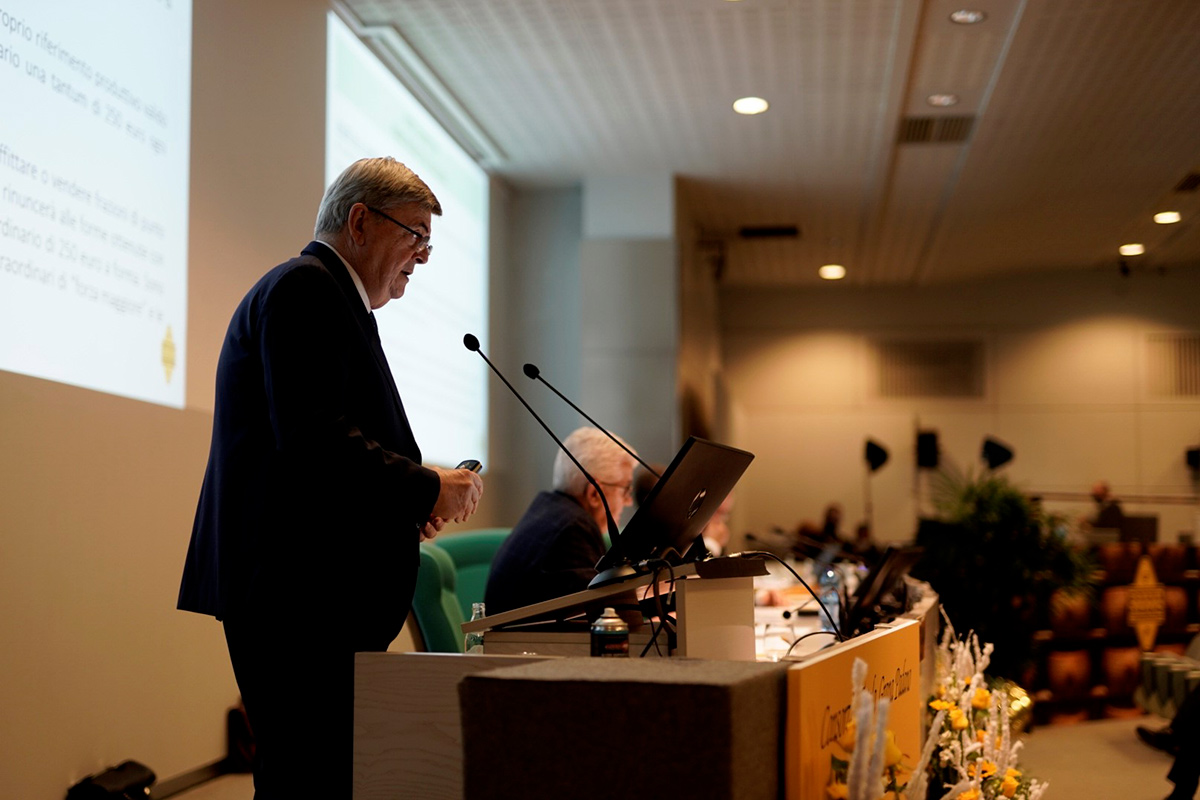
<point>554,547</point>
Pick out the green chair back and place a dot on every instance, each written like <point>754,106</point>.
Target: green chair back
<point>472,552</point>
<point>435,604</point>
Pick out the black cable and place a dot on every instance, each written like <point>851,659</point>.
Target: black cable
<point>796,575</point>
<point>658,607</point>
<point>662,617</point>
<point>800,639</point>
<point>663,620</point>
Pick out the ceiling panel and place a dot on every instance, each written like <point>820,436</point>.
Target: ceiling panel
<point>1086,114</point>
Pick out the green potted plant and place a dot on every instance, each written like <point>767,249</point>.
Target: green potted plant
<point>995,558</point>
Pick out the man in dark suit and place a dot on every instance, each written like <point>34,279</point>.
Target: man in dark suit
<point>555,545</point>
<point>314,501</point>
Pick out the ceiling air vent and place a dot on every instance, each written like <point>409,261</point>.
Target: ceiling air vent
<point>770,232</point>
<point>1190,183</point>
<point>934,130</point>
<point>1173,364</point>
<point>930,368</point>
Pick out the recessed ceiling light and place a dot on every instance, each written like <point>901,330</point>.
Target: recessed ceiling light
<point>966,16</point>
<point>1167,217</point>
<point>1132,249</point>
<point>832,272</point>
<point>942,100</point>
<point>750,105</point>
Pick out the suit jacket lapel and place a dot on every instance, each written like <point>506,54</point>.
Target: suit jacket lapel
<point>366,325</point>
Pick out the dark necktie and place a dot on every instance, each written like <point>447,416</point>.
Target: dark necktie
<point>374,324</point>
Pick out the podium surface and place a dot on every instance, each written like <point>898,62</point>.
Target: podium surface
<point>715,614</point>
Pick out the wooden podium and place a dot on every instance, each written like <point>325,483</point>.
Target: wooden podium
<point>408,734</point>
<point>714,615</point>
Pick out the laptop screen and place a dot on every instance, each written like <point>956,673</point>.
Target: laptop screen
<point>678,507</point>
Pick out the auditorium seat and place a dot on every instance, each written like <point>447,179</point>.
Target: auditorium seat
<point>435,605</point>
<point>472,553</point>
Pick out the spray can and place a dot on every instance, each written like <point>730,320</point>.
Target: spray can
<point>610,636</point>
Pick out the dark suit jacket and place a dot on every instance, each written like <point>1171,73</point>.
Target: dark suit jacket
<point>551,552</point>
<point>314,496</point>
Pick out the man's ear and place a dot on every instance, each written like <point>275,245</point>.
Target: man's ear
<point>591,497</point>
<point>356,221</point>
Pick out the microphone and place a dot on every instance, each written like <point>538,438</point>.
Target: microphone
<point>531,371</point>
<point>472,344</point>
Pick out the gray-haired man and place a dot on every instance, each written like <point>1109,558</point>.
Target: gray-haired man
<point>314,501</point>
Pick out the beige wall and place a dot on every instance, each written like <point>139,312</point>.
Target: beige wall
<point>1065,386</point>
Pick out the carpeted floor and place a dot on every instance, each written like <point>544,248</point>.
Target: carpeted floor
<point>1100,760</point>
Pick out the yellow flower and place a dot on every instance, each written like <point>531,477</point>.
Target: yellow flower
<point>891,752</point>
<point>982,698</point>
<point>958,720</point>
<point>1012,773</point>
<point>988,768</point>
<point>939,705</point>
<point>894,796</point>
<point>846,740</point>
<point>1009,787</point>
<point>837,791</point>
<point>969,794</point>
<point>980,735</point>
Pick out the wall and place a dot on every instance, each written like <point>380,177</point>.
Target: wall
<point>629,317</point>
<point>540,280</point>
<point>1065,387</point>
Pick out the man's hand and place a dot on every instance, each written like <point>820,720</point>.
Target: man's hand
<point>432,528</point>
<point>459,497</point>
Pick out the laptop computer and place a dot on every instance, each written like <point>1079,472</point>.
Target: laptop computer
<point>676,509</point>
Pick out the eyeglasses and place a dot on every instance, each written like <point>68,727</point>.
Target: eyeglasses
<point>422,240</point>
<point>625,488</point>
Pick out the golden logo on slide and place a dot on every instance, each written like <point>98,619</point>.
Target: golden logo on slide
<point>168,354</point>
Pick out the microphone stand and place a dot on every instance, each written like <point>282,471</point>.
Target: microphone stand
<point>472,344</point>
<point>531,371</point>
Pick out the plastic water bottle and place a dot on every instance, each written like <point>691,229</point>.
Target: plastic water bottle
<point>473,641</point>
<point>829,588</point>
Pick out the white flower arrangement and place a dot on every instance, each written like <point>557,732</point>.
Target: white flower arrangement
<point>969,753</point>
<point>871,749</point>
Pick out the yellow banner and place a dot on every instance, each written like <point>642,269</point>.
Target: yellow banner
<point>820,737</point>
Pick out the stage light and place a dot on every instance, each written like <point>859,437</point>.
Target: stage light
<point>875,454</point>
<point>996,453</point>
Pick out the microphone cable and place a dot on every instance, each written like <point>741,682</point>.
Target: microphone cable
<point>659,565</point>
<point>764,554</point>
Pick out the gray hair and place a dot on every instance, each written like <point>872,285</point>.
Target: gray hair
<point>379,182</point>
<point>599,456</point>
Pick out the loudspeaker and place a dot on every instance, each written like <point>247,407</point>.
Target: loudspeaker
<point>1192,457</point>
<point>876,455</point>
<point>927,449</point>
